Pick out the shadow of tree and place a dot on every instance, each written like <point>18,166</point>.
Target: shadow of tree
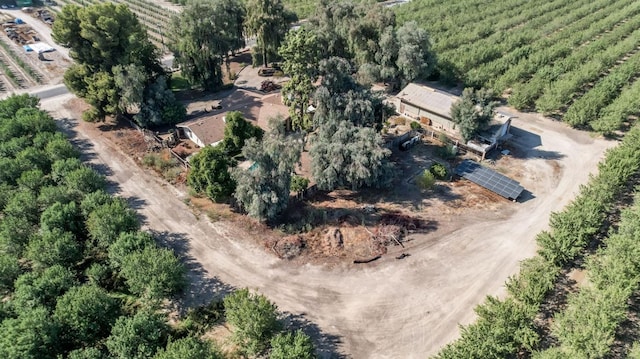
<point>326,345</point>
<point>202,287</point>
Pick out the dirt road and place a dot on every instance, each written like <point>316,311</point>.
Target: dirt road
<point>387,309</point>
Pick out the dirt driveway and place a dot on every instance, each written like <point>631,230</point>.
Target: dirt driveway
<point>387,309</point>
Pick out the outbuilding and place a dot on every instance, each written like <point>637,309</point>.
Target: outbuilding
<point>428,105</point>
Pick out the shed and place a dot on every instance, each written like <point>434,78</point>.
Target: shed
<point>427,104</point>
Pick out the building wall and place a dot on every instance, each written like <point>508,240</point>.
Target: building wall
<point>190,135</point>
<point>434,120</point>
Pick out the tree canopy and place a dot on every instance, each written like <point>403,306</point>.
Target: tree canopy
<point>254,317</point>
<point>237,131</point>
<point>153,272</point>
<point>69,251</point>
<point>269,21</point>
<point>292,345</point>
<point>263,189</point>
<point>346,150</point>
<point>367,35</point>
<point>86,314</point>
<point>210,173</point>
<point>205,34</point>
<point>139,336</point>
<point>301,54</point>
<point>473,111</point>
<point>116,67</point>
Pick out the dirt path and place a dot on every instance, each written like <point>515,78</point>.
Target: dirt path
<point>387,309</point>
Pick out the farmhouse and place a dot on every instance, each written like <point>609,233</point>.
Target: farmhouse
<point>429,105</point>
<point>206,127</point>
<point>204,131</point>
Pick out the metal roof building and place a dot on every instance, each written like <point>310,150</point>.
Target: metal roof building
<point>424,102</point>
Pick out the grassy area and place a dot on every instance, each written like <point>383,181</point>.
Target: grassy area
<point>179,83</point>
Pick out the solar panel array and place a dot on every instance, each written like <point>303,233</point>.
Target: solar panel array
<point>489,179</point>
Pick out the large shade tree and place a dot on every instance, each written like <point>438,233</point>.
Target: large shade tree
<point>263,189</point>
<point>269,21</point>
<point>205,34</point>
<point>115,61</point>
<point>367,35</point>
<point>346,150</point>
<point>101,37</point>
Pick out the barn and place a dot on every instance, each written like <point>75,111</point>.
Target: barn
<point>427,104</point>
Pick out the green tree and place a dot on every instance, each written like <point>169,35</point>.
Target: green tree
<point>9,271</point>
<point>345,150</point>
<point>292,345</point>
<point>344,155</point>
<point>53,247</point>
<point>94,200</point>
<point>86,353</point>
<point>254,318</point>
<point>127,243</point>
<point>13,103</point>
<point>159,106</point>
<point>299,183</point>
<point>32,180</point>
<point>416,59</point>
<point>23,204</point>
<point>102,37</point>
<point>61,168</point>
<point>155,273</point>
<point>138,337</point>
<point>84,180</point>
<point>473,111</point>
<point>210,173</point>
<point>61,216</point>
<point>130,80</point>
<point>269,21</point>
<point>60,148</point>
<point>339,97</point>
<point>426,180</point>
<point>301,54</point>
<point>15,232</point>
<point>188,348</point>
<point>33,334</point>
<point>264,188</point>
<point>35,289</point>
<point>106,222</point>
<point>86,314</point>
<point>205,34</point>
<point>237,131</point>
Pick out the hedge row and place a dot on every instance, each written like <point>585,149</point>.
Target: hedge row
<point>587,326</point>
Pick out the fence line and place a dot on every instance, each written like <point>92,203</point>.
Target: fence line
<point>152,135</point>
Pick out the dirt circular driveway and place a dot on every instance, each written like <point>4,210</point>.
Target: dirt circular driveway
<point>387,309</point>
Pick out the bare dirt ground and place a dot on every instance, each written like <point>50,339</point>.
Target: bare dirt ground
<point>386,309</point>
<point>56,62</point>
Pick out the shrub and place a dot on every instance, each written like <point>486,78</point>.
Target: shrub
<point>415,125</point>
<point>426,180</point>
<point>439,171</point>
<point>446,152</point>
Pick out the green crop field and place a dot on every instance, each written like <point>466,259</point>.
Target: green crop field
<point>572,59</point>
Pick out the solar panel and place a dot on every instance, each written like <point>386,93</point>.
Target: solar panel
<point>489,179</point>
